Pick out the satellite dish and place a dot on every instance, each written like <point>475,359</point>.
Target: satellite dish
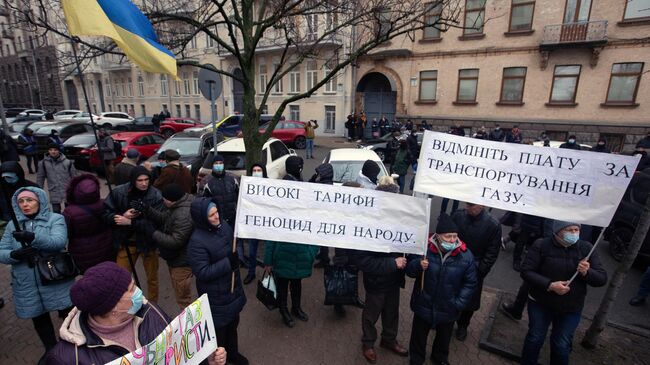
<point>210,83</point>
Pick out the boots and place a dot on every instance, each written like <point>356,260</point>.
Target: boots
<point>286,317</point>
<point>298,313</point>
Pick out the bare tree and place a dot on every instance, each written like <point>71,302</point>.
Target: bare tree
<point>335,32</point>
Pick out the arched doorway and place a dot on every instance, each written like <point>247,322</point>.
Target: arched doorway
<point>237,92</point>
<point>71,90</point>
<point>379,98</point>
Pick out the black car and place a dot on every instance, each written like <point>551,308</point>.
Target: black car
<point>193,146</point>
<point>77,149</point>
<point>140,124</point>
<point>620,230</point>
<point>13,112</point>
<point>65,129</point>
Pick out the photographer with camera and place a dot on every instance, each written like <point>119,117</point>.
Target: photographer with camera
<point>123,212</point>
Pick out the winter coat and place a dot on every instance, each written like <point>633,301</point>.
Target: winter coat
<point>514,138</point>
<point>290,260</point>
<point>106,147</point>
<point>80,345</point>
<point>58,173</point>
<point>122,171</point>
<point>175,228</point>
<point>208,253</point>
<point>224,191</point>
<point>324,174</point>
<point>570,146</point>
<point>8,148</point>
<point>601,149</point>
<point>402,161</point>
<point>29,144</point>
<point>90,240</point>
<point>548,261</point>
<point>449,284</point>
<point>496,135</point>
<point>414,148</point>
<point>10,189</point>
<point>31,297</point>
<point>175,173</point>
<point>380,273</point>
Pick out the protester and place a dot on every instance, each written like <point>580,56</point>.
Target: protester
<point>57,170</point>
<point>107,152</point>
<point>293,165</point>
<point>257,170</point>
<point>122,217</point>
<point>384,126</point>
<point>361,127</point>
<point>481,133</point>
<point>54,139</point>
<point>111,318</point>
<point>310,135</point>
<point>8,148</point>
<point>164,114</point>
<point>368,175</point>
<point>386,183</point>
<point>41,232</point>
<point>392,146</point>
<point>457,130</point>
<point>514,136</point>
<point>401,164</point>
<point>549,264</point>
<point>644,143</point>
<point>171,230</point>
<point>450,279</point>
<point>122,173</point>
<point>601,146</point>
<point>571,143</point>
<point>374,128</point>
<point>13,178</point>
<point>324,175</point>
<point>496,134</point>
<point>27,140</point>
<point>482,236</point>
<point>644,290</point>
<point>155,120</point>
<point>174,172</point>
<point>90,241</point>
<point>155,168</point>
<point>351,127</point>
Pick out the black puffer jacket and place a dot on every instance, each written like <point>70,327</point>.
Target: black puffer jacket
<point>224,191</point>
<point>208,253</point>
<point>380,273</point>
<point>548,261</point>
<point>324,174</point>
<point>175,228</point>
<point>10,189</point>
<point>482,235</point>
<point>293,165</point>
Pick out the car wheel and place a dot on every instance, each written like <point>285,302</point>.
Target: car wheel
<point>381,154</point>
<point>107,126</point>
<point>167,133</point>
<point>300,142</point>
<point>619,241</point>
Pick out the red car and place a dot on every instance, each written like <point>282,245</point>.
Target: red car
<point>147,143</point>
<point>175,125</point>
<point>290,132</point>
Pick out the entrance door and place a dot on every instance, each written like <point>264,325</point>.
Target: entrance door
<point>576,16</point>
<point>71,90</point>
<point>376,104</point>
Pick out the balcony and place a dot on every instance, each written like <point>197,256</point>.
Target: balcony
<point>574,35</point>
<point>8,33</point>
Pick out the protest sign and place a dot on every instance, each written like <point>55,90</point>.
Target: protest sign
<point>577,186</point>
<point>334,216</point>
<point>188,339</point>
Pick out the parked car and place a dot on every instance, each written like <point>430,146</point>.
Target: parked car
<point>141,124</point>
<point>11,113</point>
<point>174,125</point>
<point>37,112</point>
<point>621,228</point>
<point>66,114</point>
<point>193,146</point>
<point>78,149</point>
<point>26,118</point>
<point>33,125</point>
<point>289,132</point>
<point>147,143</point>
<point>230,126</point>
<point>16,128</point>
<point>380,145</point>
<point>65,129</point>
<point>347,163</point>
<point>109,120</point>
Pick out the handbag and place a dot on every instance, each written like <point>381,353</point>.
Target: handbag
<point>341,285</point>
<point>266,292</point>
<point>56,268</point>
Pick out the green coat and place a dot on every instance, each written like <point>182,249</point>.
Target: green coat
<point>290,260</point>
<point>401,164</point>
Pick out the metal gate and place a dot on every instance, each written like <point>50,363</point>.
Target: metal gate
<point>376,104</point>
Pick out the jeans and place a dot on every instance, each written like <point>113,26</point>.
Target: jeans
<point>401,181</point>
<point>309,148</point>
<point>644,288</point>
<point>418,342</point>
<point>445,203</point>
<point>252,256</point>
<point>150,263</point>
<point>563,327</point>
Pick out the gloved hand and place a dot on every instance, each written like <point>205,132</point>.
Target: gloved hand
<point>138,205</point>
<point>25,237</point>
<point>145,227</point>
<point>24,254</point>
<point>234,261</point>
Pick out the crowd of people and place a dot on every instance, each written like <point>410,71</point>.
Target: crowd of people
<point>158,211</point>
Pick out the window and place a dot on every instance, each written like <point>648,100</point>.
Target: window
<point>117,87</point>
<point>143,110</point>
<point>277,88</point>
<point>197,111</point>
<point>119,107</point>
<point>431,17</point>
<point>278,149</point>
<point>195,83</point>
<point>330,85</point>
<point>474,17</point>
<point>521,15</point>
<point>624,83</point>
<point>384,24</point>
<point>263,79</point>
<point>331,19</point>
<point>108,87</point>
<point>312,27</point>
<point>177,87</point>
<point>163,85</point>
<point>178,110</point>
<point>110,107</point>
<point>312,74</point>
<point>294,112</point>
<point>140,86</point>
<point>428,85</point>
<point>636,9</point>
<point>186,83</point>
<point>130,86</point>
<point>294,81</point>
<point>193,42</point>
<point>123,87</point>
<point>188,111</point>
<point>512,85</point>
<point>330,119</point>
<point>467,84</point>
<point>565,84</point>
<point>91,89</point>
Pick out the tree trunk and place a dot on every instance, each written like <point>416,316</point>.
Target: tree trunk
<point>600,319</point>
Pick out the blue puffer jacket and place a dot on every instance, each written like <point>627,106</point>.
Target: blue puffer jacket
<point>31,298</point>
<point>207,254</point>
<point>448,285</point>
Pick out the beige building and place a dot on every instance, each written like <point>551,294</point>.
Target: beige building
<point>561,66</point>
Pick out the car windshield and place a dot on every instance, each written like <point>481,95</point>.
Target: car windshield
<point>80,139</point>
<point>185,147</point>
<point>47,129</point>
<point>234,160</point>
<point>345,171</point>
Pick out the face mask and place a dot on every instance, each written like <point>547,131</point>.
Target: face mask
<point>571,238</point>
<point>162,164</point>
<point>258,174</point>
<point>10,177</point>
<point>572,141</point>
<point>448,246</point>
<point>217,168</point>
<point>136,301</point>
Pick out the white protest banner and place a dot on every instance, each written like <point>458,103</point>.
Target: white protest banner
<point>188,339</point>
<point>334,216</point>
<point>577,186</point>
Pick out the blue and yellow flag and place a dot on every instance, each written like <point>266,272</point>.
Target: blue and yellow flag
<point>122,21</point>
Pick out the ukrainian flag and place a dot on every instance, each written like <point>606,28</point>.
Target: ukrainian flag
<point>122,21</point>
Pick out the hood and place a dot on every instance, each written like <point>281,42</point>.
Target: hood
<point>44,204</point>
<point>60,159</point>
<point>294,165</point>
<point>199,212</point>
<point>138,171</point>
<point>260,165</point>
<point>185,201</point>
<point>370,170</point>
<point>83,189</point>
<point>325,173</point>
<point>13,166</point>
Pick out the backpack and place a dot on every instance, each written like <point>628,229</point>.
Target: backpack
<point>117,148</point>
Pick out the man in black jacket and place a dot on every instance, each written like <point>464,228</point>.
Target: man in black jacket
<point>482,235</point>
<point>548,266</point>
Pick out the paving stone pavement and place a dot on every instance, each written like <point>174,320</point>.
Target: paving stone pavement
<point>263,338</point>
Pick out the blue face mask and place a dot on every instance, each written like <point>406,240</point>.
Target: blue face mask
<point>571,238</point>
<point>258,174</point>
<point>136,301</point>
<point>162,164</point>
<point>218,168</point>
<point>448,246</point>
<point>10,177</point>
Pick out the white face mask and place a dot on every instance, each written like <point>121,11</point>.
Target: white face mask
<point>258,174</point>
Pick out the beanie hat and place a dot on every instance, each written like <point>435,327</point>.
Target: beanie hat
<point>27,193</point>
<point>446,225</point>
<point>370,170</point>
<point>172,155</point>
<point>560,225</point>
<point>52,145</point>
<point>132,153</point>
<point>217,158</point>
<point>161,155</point>
<point>101,287</point>
<point>172,192</point>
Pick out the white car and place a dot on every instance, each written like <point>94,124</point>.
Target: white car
<point>66,114</point>
<point>109,120</point>
<point>347,163</point>
<point>34,112</point>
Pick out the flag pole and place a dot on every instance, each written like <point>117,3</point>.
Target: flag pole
<point>74,41</point>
